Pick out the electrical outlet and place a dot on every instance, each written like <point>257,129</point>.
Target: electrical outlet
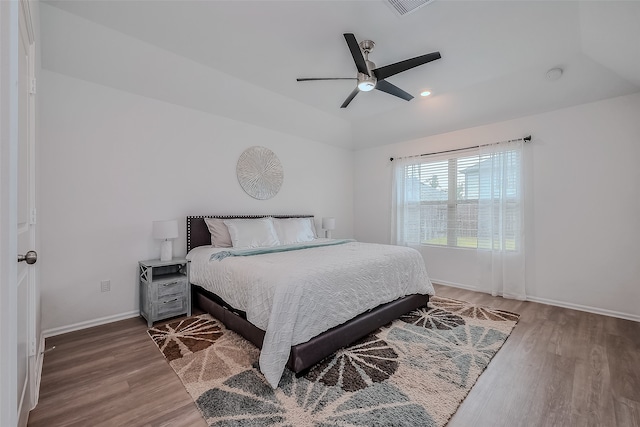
<point>105,285</point>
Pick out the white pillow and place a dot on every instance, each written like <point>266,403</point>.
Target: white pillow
<point>294,230</point>
<point>252,233</point>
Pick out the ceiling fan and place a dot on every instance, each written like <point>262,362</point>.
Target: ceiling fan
<point>369,77</point>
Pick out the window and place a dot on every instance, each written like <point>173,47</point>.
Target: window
<point>464,199</point>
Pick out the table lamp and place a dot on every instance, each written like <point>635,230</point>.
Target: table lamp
<point>165,230</point>
<point>328,224</point>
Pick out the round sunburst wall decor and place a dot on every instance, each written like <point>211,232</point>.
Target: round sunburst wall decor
<point>259,172</point>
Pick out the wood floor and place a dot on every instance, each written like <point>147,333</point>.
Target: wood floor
<point>559,367</point>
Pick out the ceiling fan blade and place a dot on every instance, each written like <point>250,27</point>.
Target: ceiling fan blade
<point>392,69</point>
<point>307,79</point>
<point>350,98</point>
<point>361,65</point>
<point>394,90</point>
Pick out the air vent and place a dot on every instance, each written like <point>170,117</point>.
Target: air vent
<point>403,7</point>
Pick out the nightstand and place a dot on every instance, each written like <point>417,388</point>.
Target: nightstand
<point>164,289</point>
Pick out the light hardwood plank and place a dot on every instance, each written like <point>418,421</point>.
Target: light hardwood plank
<point>111,375</point>
<point>559,367</point>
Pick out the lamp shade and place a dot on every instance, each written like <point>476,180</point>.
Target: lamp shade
<point>328,223</point>
<point>165,229</point>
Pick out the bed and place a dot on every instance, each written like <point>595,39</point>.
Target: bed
<point>299,303</point>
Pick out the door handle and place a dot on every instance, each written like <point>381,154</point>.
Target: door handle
<point>30,257</point>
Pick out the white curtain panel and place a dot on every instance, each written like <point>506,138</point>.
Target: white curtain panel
<point>498,190</point>
<point>500,253</point>
<point>405,204</point>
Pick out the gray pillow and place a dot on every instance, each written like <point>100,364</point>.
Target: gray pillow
<point>220,237</point>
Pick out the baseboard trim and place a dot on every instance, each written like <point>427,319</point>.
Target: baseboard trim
<point>557,303</point>
<point>89,324</point>
<point>587,308</point>
<point>455,285</point>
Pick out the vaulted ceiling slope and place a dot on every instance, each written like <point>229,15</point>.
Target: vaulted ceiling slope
<point>240,59</point>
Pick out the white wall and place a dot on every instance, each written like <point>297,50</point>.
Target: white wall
<point>582,203</point>
<point>112,162</point>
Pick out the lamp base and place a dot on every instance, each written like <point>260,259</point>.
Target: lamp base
<point>327,234</point>
<point>166,250</point>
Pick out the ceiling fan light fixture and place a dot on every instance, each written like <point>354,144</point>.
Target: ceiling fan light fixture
<point>425,93</point>
<point>366,86</point>
<point>366,83</point>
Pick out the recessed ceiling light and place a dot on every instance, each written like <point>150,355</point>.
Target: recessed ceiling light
<point>425,93</point>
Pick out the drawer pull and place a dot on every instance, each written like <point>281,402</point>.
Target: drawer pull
<point>169,284</point>
<point>171,300</point>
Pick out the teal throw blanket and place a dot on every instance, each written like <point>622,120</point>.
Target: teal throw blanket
<point>219,256</point>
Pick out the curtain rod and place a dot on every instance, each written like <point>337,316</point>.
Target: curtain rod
<point>525,139</point>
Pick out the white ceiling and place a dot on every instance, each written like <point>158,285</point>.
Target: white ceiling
<point>494,58</point>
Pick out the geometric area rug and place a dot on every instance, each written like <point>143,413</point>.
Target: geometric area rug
<point>414,371</point>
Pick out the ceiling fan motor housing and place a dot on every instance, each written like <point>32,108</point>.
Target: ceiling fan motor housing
<point>367,83</point>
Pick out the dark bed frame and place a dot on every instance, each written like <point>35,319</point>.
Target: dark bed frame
<point>305,355</point>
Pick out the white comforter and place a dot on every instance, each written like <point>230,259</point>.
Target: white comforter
<point>296,295</point>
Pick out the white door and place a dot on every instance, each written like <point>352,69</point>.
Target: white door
<point>26,290</point>
<point>20,296</point>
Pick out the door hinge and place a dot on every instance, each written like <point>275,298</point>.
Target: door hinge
<point>33,218</point>
<point>32,89</point>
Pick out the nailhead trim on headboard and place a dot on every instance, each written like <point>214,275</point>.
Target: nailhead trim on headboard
<point>194,217</point>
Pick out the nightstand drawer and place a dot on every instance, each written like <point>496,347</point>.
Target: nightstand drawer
<point>176,304</point>
<point>171,287</point>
